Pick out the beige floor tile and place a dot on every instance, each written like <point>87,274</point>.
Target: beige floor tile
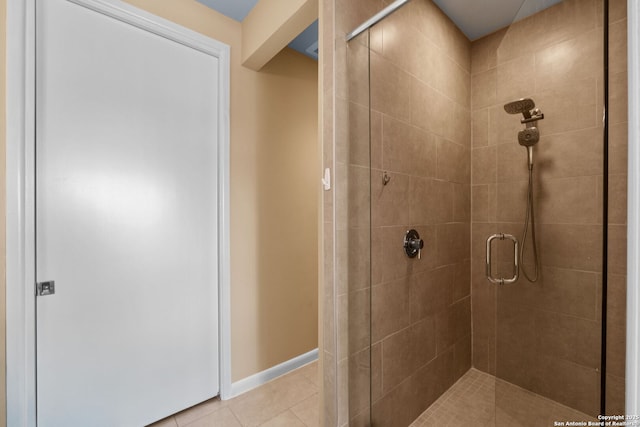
<point>310,371</point>
<point>504,419</point>
<point>292,388</point>
<point>291,398</point>
<point>221,418</point>
<point>285,419</point>
<point>479,399</point>
<point>205,408</point>
<point>167,422</point>
<point>308,411</point>
<point>257,406</point>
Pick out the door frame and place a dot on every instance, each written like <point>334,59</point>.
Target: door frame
<point>20,192</point>
<point>633,212</point>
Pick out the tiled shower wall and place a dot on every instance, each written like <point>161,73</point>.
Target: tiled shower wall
<point>545,336</point>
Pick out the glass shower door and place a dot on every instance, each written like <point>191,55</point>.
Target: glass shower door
<point>543,175</point>
<point>420,211</point>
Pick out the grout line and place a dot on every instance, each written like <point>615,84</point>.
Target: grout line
<point>237,418</point>
<point>234,416</point>
<point>296,415</point>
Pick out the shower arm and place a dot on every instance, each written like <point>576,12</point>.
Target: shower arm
<point>537,116</point>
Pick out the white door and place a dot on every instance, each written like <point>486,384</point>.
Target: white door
<point>126,220</point>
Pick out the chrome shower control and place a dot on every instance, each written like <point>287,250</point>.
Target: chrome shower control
<point>413,244</point>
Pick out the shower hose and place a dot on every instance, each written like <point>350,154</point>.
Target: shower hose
<point>530,217</point>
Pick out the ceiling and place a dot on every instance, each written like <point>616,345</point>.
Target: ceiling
<point>479,18</point>
<point>474,18</point>
<point>235,9</point>
<point>306,43</point>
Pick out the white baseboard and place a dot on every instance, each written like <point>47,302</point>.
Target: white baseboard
<point>256,380</point>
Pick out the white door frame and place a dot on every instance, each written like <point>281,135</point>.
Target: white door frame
<point>20,173</point>
<point>633,212</point>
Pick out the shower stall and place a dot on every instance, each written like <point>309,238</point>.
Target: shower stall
<point>475,232</point>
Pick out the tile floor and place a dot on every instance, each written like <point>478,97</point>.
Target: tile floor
<point>292,401</point>
<point>471,401</point>
<point>288,401</point>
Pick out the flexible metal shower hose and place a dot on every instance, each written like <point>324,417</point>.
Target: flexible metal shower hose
<point>530,216</point>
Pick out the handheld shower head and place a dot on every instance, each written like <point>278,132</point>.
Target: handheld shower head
<point>529,137</point>
<point>524,106</point>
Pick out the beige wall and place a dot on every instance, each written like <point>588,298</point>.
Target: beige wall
<point>273,195</point>
<point>287,182</point>
<point>271,25</point>
<point>3,389</point>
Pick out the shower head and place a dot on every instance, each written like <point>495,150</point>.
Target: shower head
<point>524,106</point>
<point>529,137</point>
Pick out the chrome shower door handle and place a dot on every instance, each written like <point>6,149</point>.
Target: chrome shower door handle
<point>516,266</point>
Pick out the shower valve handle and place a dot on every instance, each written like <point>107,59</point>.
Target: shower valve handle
<point>413,244</point>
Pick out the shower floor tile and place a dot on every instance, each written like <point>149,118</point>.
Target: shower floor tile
<point>471,401</point>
